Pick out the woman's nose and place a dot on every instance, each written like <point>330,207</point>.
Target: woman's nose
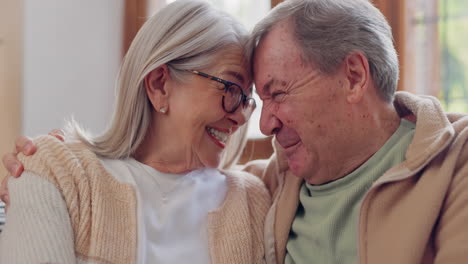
<point>243,112</point>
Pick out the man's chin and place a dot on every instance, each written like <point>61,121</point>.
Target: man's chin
<point>297,167</point>
<point>300,164</point>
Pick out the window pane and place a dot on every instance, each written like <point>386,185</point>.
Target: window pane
<point>453,32</point>
<point>247,11</point>
<point>436,51</point>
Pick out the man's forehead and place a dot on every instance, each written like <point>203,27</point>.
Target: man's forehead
<point>274,58</point>
<point>280,33</point>
<point>277,47</point>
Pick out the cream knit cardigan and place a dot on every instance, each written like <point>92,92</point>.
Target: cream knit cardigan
<point>103,212</point>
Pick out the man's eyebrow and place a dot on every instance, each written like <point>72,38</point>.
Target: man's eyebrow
<point>266,88</point>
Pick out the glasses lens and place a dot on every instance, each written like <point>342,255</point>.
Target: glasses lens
<point>249,107</point>
<point>232,98</point>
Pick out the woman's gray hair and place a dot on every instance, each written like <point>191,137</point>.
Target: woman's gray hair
<point>328,30</point>
<point>185,35</point>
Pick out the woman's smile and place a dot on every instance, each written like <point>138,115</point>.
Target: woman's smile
<point>219,136</point>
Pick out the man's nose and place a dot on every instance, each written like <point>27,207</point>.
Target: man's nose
<point>269,123</point>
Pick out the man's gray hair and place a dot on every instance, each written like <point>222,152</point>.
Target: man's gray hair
<point>185,35</point>
<point>328,30</point>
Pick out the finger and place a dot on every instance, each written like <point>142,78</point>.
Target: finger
<point>12,164</point>
<point>25,145</point>
<point>6,200</point>
<point>4,197</point>
<point>58,133</point>
<point>4,188</point>
<point>4,192</point>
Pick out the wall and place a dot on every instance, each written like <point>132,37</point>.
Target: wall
<point>10,73</point>
<point>72,51</point>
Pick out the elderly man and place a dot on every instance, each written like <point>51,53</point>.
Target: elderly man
<point>360,174</point>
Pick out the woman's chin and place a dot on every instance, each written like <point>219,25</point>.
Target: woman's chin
<point>212,161</point>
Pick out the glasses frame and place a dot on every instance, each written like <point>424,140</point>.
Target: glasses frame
<point>227,84</point>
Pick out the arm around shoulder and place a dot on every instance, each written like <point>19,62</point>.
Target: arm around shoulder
<point>37,228</point>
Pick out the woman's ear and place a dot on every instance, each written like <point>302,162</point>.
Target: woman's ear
<point>157,88</point>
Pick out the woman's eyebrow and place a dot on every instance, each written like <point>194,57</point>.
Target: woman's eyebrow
<point>236,75</point>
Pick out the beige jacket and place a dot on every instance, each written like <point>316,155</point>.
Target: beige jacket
<point>103,212</point>
<point>417,212</point>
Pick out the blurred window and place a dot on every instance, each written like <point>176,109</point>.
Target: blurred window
<point>247,11</point>
<point>436,55</point>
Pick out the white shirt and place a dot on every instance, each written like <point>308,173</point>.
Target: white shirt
<point>172,210</point>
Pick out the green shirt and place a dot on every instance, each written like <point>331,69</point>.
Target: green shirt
<point>325,227</point>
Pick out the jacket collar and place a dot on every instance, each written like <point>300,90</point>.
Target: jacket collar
<point>433,132</point>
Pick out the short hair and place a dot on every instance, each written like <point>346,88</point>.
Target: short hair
<point>184,35</point>
<point>327,31</point>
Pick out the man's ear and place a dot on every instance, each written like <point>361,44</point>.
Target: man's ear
<point>357,73</point>
<point>157,88</point>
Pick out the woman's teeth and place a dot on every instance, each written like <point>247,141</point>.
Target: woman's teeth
<point>221,136</point>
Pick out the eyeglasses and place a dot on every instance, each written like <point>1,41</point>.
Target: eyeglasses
<point>233,96</point>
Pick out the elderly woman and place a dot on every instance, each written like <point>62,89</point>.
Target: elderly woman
<point>148,190</point>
